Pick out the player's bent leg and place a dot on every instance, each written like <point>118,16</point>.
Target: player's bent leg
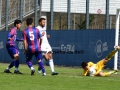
<point>16,63</point>
<point>105,61</point>
<point>7,70</point>
<point>103,74</point>
<point>29,63</point>
<point>51,63</point>
<point>46,56</point>
<point>100,74</point>
<point>10,52</point>
<point>114,72</point>
<point>39,69</point>
<point>50,55</point>
<point>111,54</point>
<point>41,65</point>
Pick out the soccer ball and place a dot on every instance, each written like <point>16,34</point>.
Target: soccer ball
<point>92,71</point>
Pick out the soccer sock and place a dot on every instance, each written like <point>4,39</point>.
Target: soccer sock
<point>107,73</point>
<point>51,65</point>
<point>16,64</point>
<point>29,63</point>
<point>42,66</point>
<point>111,54</point>
<point>39,68</point>
<point>11,65</point>
<point>113,72</point>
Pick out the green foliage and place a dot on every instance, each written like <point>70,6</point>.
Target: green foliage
<point>82,24</point>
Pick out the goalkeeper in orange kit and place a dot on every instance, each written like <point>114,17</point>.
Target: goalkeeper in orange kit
<point>91,69</point>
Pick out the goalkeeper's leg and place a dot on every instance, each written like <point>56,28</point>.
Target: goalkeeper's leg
<point>103,74</point>
<point>111,54</point>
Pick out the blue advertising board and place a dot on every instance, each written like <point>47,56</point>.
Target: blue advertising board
<point>70,47</point>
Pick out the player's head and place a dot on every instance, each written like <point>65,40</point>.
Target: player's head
<point>84,65</point>
<point>29,21</point>
<point>17,23</point>
<point>42,22</point>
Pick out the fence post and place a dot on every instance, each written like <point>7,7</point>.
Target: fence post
<point>68,14</point>
<point>87,14</point>
<point>35,16</point>
<point>51,14</point>
<point>21,9</point>
<point>107,15</point>
<point>6,16</point>
<point>0,12</point>
<point>40,6</point>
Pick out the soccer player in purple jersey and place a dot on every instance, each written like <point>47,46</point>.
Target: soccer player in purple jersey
<point>32,42</point>
<point>11,47</point>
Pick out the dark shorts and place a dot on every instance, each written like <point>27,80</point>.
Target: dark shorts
<point>30,55</point>
<point>12,50</point>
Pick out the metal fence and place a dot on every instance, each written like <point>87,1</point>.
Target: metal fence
<point>60,14</point>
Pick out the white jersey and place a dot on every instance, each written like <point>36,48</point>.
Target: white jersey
<point>44,38</point>
<point>45,46</point>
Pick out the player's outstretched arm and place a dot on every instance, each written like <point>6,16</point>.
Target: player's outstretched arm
<point>18,39</point>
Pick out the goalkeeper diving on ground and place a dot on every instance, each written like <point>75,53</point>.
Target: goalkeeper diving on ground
<point>92,69</point>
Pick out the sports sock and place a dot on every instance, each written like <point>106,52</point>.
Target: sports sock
<point>51,65</point>
<point>111,54</point>
<point>32,68</point>
<point>107,73</point>
<point>39,68</point>
<point>113,72</point>
<point>42,66</point>
<point>29,63</point>
<point>11,65</point>
<point>16,65</point>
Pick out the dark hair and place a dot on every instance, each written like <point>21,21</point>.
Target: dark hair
<point>84,64</point>
<point>17,22</point>
<point>41,19</point>
<point>29,21</point>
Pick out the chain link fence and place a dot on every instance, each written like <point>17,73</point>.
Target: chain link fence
<point>78,19</point>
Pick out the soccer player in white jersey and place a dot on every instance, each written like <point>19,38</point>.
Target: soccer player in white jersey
<point>45,46</point>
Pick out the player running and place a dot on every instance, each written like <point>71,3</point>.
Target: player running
<point>12,49</point>
<point>32,42</point>
<point>91,69</point>
<point>45,46</point>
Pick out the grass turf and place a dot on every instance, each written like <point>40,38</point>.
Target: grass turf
<point>68,79</point>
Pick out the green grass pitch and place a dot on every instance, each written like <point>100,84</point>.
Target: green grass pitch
<point>68,79</point>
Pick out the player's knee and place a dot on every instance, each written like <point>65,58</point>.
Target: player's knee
<point>50,56</point>
<point>39,61</point>
<point>105,61</point>
<point>16,57</point>
<point>46,57</point>
<point>101,74</point>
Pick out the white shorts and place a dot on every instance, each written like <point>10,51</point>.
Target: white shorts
<point>45,48</point>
